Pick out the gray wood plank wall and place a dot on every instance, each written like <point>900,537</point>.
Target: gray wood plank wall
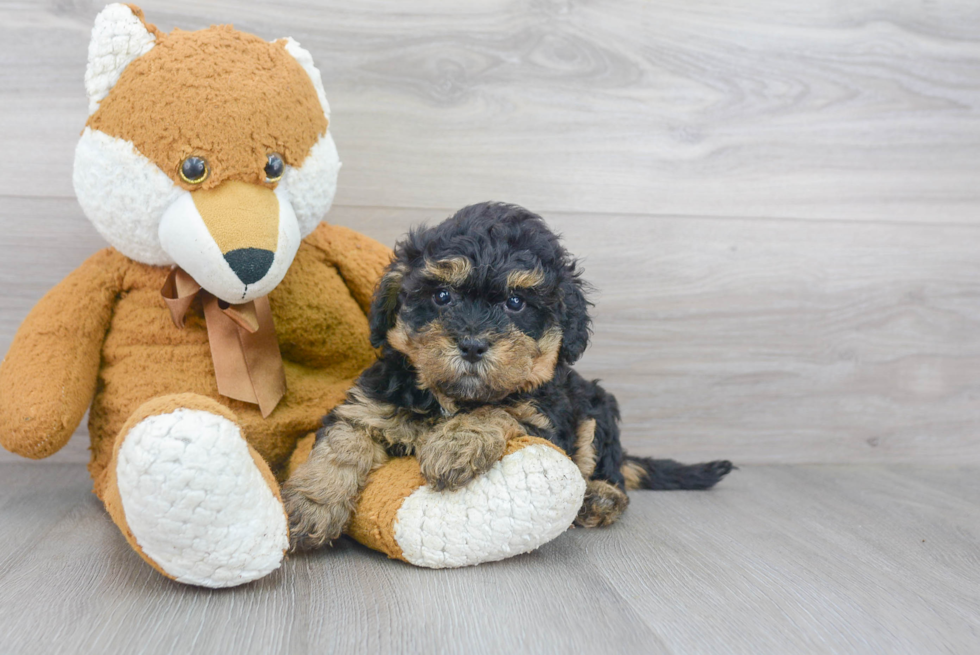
<point>779,206</point>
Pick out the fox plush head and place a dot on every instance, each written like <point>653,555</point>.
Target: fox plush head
<point>208,150</point>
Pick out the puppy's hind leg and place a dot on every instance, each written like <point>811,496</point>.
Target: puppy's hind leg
<point>604,502</point>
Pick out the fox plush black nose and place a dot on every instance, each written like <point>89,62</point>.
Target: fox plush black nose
<point>472,349</point>
<point>250,264</point>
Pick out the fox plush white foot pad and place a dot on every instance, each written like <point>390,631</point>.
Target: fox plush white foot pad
<point>196,502</point>
<point>524,501</point>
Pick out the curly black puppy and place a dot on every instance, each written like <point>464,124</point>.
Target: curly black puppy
<point>479,321</point>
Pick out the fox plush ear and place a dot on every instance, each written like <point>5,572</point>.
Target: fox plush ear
<point>305,59</point>
<point>118,37</point>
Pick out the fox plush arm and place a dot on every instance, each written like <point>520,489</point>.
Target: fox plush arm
<point>48,377</point>
<point>360,260</point>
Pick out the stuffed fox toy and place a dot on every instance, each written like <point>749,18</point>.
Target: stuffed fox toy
<point>225,319</point>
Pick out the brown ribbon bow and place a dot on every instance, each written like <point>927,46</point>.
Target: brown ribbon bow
<point>244,348</point>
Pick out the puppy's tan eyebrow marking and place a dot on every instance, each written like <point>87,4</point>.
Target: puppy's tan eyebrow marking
<point>524,279</point>
<point>454,270</point>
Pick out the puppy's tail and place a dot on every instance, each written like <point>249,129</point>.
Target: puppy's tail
<point>666,474</point>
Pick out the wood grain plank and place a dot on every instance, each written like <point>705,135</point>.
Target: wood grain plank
<point>857,559</point>
<point>806,560</point>
<point>758,340</point>
<point>33,500</point>
<point>831,111</point>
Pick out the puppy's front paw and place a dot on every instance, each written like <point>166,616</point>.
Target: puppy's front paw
<point>460,451</point>
<point>311,524</point>
<point>604,503</point>
<point>319,505</point>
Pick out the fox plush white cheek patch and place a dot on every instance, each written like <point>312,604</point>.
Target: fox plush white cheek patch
<point>124,194</point>
<point>311,187</point>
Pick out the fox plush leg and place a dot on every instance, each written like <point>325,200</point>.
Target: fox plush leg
<point>526,499</point>
<point>192,497</point>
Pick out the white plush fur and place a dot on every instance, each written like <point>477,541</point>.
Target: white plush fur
<point>124,194</point>
<point>185,237</point>
<point>118,37</point>
<point>195,501</point>
<point>312,186</point>
<point>524,501</point>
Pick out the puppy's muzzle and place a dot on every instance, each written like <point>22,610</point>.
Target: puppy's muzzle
<point>473,350</point>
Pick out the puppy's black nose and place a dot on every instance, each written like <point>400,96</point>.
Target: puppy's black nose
<point>250,264</point>
<point>472,349</point>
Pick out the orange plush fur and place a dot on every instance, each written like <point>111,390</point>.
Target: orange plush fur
<point>179,83</point>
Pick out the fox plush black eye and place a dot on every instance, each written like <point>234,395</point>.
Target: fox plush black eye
<point>442,297</point>
<point>274,168</point>
<point>514,303</point>
<point>194,170</point>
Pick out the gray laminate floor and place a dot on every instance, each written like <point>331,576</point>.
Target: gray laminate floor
<point>779,559</point>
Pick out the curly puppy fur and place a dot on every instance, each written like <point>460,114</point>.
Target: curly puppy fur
<point>478,320</point>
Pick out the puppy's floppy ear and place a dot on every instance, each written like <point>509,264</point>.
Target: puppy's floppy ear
<point>385,303</point>
<point>576,324</point>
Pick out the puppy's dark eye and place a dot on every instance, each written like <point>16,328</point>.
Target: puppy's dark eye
<point>274,167</point>
<point>514,303</point>
<point>442,297</point>
<point>194,170</point>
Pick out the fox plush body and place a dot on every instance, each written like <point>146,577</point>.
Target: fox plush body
<point>226,319</point>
